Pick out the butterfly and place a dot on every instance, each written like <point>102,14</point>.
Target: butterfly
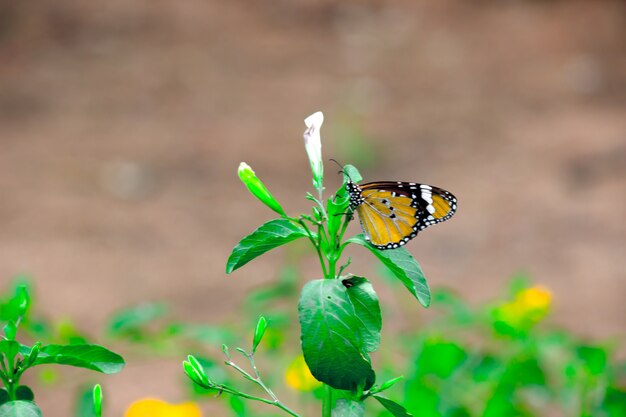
<point>392,213</point>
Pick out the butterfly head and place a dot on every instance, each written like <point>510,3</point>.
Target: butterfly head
<point>356,198</point>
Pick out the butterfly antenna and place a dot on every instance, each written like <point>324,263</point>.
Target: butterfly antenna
<point>343,171</point>
<point>340,166</point>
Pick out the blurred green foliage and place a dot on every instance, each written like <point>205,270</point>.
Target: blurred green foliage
<point>497,359</point>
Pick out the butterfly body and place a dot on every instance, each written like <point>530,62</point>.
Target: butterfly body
<point>393,212</point>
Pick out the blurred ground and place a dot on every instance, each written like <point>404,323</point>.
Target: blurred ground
<point>122,125</point>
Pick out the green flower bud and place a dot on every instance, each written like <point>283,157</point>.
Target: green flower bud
<point>261,326</point>
<point>256,187</point>
<point>97,400</point>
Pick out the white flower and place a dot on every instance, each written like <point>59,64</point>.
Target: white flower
<point>313,145</point>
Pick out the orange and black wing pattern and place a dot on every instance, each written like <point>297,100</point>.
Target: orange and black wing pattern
<point>392,213</point>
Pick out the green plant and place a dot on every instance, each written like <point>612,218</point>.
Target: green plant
<point>339,315</point>
<point>499,359</point>
<point>16,358</point>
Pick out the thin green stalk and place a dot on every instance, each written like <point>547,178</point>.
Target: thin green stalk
<point>258,377</point>
<point>257,380</point>
<point>315,244</point>
<point>276,403</point>
<point>327,403</point>
<point>344,226</point>
<point>240,370</point>
<point>12,379</point>
<point>3,364</point>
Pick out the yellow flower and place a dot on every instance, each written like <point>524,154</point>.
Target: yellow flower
<point>536,298</point>
<point>299,377</point>
<point>528,308</point>
<point>152,407</point>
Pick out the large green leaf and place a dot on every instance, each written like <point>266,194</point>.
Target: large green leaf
<point>393,407</point>
<point>331,336</point>
<point>269,236</point>
<point>367,309</point>
<point>94,357</point>
<point>403,266</point>
<point>347,408</point>
<point>20,409</point>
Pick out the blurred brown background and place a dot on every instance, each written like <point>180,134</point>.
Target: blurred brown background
<point>122,124</point>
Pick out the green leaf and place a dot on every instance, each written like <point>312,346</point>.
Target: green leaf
<point>594,359</point>
<point>94,357</point>
<point>403,266</point>
<point>337,209</point>
<point>393,407</point>
<point>10,330</point>
<point>365,302</point>
<point>347,408</point>
<point>84,406</point>
<point>10,348</point>
<point>4,396</point>
<point>615,402</point>
<point>269,236</point>
<point>350,173</point>
<point>24,393</point>
<point>331,336</point>
<point>439,357</point>
<point>20,409</point>
<point>238,406</point>
<point>133,318</point>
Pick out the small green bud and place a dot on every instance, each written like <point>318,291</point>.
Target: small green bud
<point>258,189</point>
<point>32,356</point>
<point>192,373</point>
<point>97,400</point>
<point>23,299</point>
<point>261,326</point>
<point>198,369</point>
<point>388,384</point>
<point>226,351</point>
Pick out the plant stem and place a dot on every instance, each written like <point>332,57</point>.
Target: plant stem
<point>276,403</point>
<point>257,380</point>
<point>327,403</point>
<point>12,378</point>
<point>332,264</point>
<point>315,244</point>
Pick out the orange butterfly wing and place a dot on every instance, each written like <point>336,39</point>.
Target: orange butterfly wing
<point>392,213</point>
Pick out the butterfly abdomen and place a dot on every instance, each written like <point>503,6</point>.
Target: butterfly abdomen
<point>355,193</point>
